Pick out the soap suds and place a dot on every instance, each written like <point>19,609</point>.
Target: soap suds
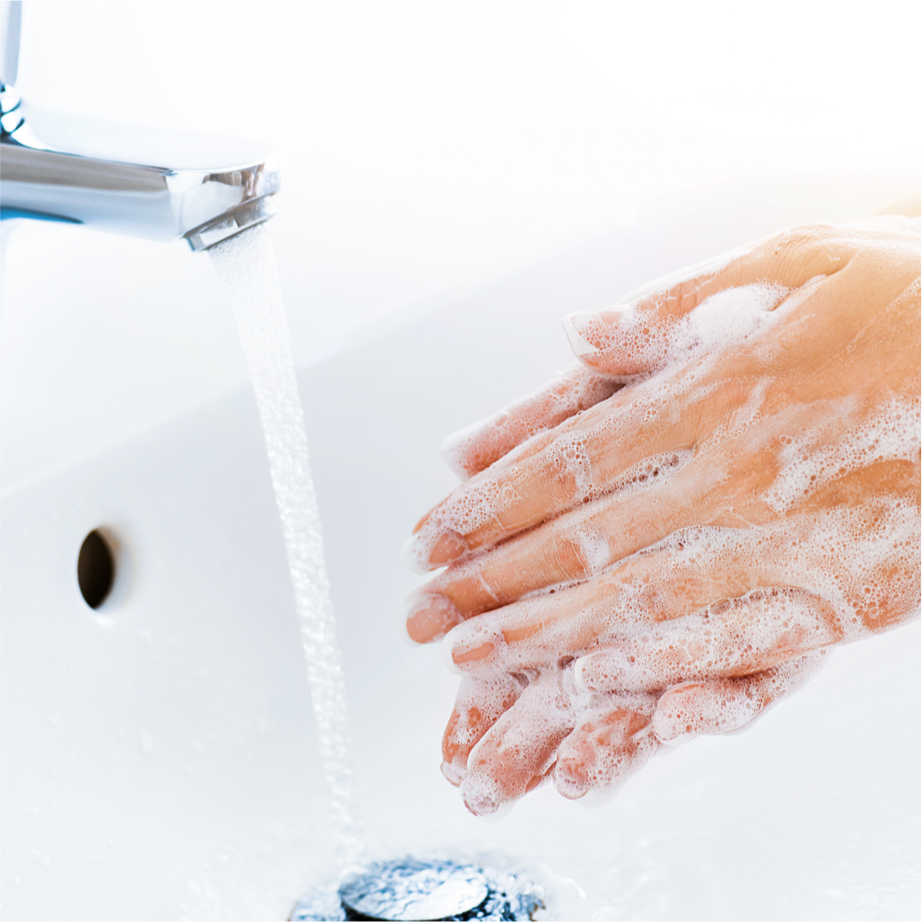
<point>639,338</point>
<point>569,392</point>
<point>892,434</point>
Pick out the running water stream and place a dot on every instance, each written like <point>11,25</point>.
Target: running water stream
<point>246,264</point>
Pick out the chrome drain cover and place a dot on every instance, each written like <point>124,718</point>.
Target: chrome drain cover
<point>413,890</point>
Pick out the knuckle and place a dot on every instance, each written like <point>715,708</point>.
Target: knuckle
<point>809,250</point>
<point>559,480</point>
<point>568,556</point>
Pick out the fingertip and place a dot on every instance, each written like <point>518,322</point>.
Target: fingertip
<point>455,449</point>
<point>499,814</point>
<point>430,616</point>
<point>534,783</point>
<point>450,546</point>
<point>414,554</point>
<point>575,326</point>
<point>454,774</point>
<point>668,731</point>
<point>672,722</point>
<point>481,795</point>
<point>447,658</point>
<point>417,528</point>
<point>586,672</point>
<point>403,624</point>
<point>578,671</point>
<point>570,778</point>
<point>469,646</point>
<point>431,549</point>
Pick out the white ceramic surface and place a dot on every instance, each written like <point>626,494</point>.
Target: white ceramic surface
<point>158,756</point>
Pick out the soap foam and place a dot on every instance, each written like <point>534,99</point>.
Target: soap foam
<point>612,740</point>
<point>855,571</point>
<point>892,434</point>
<point>723,319</point>
<point>563,464</point>
<point>732,637</point>
<point>727,317</point>
<point>549,709</point>
<point>480,702</point>
<point>728,705</point>
<point>817,579</point>
<point>525,746</point>
<point>569,392</point>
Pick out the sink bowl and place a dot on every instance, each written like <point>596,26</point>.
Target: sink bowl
<point>159,755</point>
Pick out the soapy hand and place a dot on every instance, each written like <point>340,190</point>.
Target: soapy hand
<point>663,541</point>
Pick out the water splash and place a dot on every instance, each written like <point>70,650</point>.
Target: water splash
<point>246,264</point>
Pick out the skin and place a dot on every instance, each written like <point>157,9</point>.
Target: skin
<point>675,557</point>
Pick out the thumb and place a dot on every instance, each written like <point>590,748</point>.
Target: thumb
<point>707,305</point>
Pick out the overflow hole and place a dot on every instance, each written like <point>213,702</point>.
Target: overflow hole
<point>95,569</point>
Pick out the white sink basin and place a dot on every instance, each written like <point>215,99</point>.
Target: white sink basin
<point>159,755</point>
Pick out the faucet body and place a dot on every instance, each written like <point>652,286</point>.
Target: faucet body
<point>130,180</point>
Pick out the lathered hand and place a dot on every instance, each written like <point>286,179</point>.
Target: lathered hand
<point>750,497</point>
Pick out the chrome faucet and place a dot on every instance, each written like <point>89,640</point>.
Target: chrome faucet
<point>130,180</point>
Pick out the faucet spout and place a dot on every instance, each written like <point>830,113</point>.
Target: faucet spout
<point>130,180</point>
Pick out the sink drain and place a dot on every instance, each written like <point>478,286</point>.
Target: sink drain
<point>411,890</point>
<point>95,569</point>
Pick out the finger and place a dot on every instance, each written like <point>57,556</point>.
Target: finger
<point>547,630</point>
<point>569,549</point>
<point>430,614</point>
<point>580,544</point>
<point>478,705</point>
<point>724,705</point>
<point>733,638</point>
<point>605,749</point>
<point>586,457</point>
<point>707,305</point>
<point>695,570</point>
<point>518,751</point>
<point>473,449</point>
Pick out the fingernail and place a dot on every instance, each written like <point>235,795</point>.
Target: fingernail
<point>454,773</point>
<point>434,616</point>
<point>672,721</point>
<point>575,325</point>
<point>640,735</point>
<point>603,672</point>
<point>533,783</point>
<point>421,555</point>
<point>462,654</point>
<point>584,673</point>
<point>570,781</point>
<point>449,547</point>
<point>480,796</point>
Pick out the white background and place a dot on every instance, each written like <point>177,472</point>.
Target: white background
<point>440,140</point>
<point>429,149</point>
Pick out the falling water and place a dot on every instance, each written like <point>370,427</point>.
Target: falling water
<point>246,264</point>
